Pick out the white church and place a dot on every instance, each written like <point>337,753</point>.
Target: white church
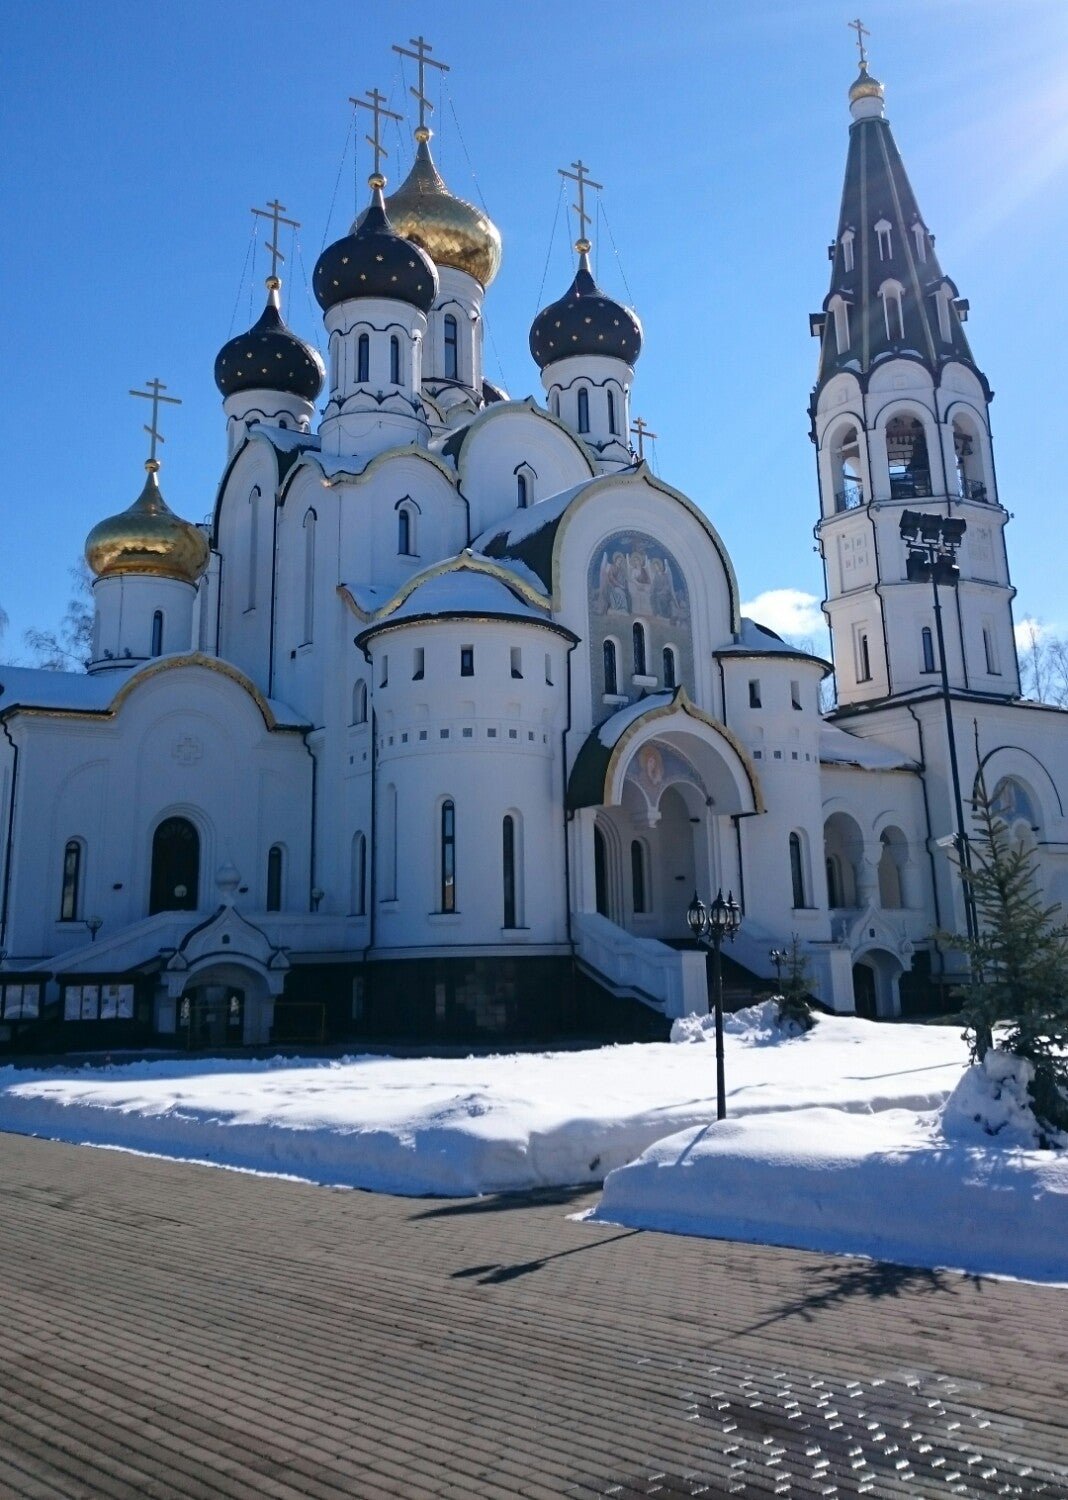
<point>437,726</point>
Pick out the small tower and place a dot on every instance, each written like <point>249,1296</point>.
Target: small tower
<point>900,419</point>
<point>375,289</point>
<point>586,346</point>
<point>465,246</point>
<point>147,562</point>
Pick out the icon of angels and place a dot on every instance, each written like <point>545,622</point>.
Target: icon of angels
<point>635,576</point>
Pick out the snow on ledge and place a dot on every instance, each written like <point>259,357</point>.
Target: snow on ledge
<point>839,747</point>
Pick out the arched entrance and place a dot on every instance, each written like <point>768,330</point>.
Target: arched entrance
<point>876,995</point>
<point>175,881</point>
<point>864,1002</point>
<point>211,1015</point>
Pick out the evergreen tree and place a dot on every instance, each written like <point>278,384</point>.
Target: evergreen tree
<point>794,1002</point>
<point>1019,962</point>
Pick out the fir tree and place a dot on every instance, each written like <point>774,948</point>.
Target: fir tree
<point>1019,962</point>
<point>794,1002</point>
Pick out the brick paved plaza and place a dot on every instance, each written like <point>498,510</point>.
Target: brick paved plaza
<point>171,1330</point>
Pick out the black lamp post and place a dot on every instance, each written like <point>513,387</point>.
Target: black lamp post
<point>933,543</point>
<point>778,957</point>
<point>710,925</point>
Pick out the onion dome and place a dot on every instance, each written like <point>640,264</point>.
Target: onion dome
<point>147,539</point>
<point>450,230</point>
<point>269,357</point>
<point>585,321</point>
<point>866,87</point>
<point>373,260</point>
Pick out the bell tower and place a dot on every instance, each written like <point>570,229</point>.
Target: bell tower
<point>900,420</point>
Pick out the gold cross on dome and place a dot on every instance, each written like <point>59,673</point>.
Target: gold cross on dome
<point>274,211</point>
<point>641,432</point>
<point>374,140</point>
<point>423,61</point>
<point>862,31</point>
<point>155,387</point>
<point>581,175</point>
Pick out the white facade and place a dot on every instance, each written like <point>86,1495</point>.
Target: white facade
<point>464,705</point>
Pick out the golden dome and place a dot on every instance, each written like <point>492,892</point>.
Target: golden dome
<point>148,538</point>
<point>866,87</point>
<point>452,232</point>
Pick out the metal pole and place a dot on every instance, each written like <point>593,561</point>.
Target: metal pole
<point>962,837</point>
<point>721,1081</point>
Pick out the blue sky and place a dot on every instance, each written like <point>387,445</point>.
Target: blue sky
<point>137,137</point>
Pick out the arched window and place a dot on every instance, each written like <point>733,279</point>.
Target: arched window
<point>556,403</point>
<point>638,640</point>
<point>359,702</point>
<point>363,357</point>
<point>394,360</point>
<point>670,677</point>
<point>447,858</point>
<point>840,309</point>
<point>600,872</point>
<point>906,454</point>
<point>452,366</point>
<point>309,576</point>
<point>70,901</point>
<point>157,633</point>
<point>253,546</point>
<point>612,412</point>
<point>508,842</point>
<point>583,410</point>
<point>611,672</point>
<point>834,882</point>
<point>522,491</point>
<point>967,455</point>
<point>797,871</point>
<point>893,854</point>
<point>883,239</point>
<point>927,644</point>
<point>274,878</point>
<point>847,476</point>
<point>404,531</point>
<point>890,292</point>
<point>637,876</point>
<point>175,879</point>
<point>358,895</point>
<point>847,250</point>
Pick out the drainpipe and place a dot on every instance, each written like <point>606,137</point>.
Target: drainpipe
<point>567,814</point>
<point>10,840</point>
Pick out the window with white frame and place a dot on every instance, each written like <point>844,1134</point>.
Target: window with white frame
<point>919,234</point>
<point>309,577</point>
<point>891,292</point>
<point>840,308</point>
<point>883,239</point>
<point>847,250</point>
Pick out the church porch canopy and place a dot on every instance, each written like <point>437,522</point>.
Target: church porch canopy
<point>665,740</point>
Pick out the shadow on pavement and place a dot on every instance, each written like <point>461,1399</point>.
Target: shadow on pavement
<point>494,1203</point>
<point>494,1275</point>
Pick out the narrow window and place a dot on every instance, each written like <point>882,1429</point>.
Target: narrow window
<point>637,875</point>
<point>612,412</point>
<point>600,872</point>
<point>834,884</point>
<point>754,692</point>
<point>988,650</point>
<point>363,357</point>
<point>882,236</point>
<point>927,643</point>
<point>508,854</point>
<point>583,410</point>
<point>358,901</point>
<point>556,404</point>
<point>847,250</point>
<point>841,326</point>
<point>157,633</point>
<point>448,856</point>
<point>359,702</point>
<point>670,678</point>
<point>611,674</point>
<point>863,659</point>
<point>638,643</point>
<point>517,661</point>
<point>70,900</point>
<point>921,240</point>
<point>467,661</point>
<point>383,680</point>
<point>309,576</point>
<point>253,545</point>
<point>548,670</point>
<point>797,874</point>
<point>522,491</point>
<point>274,878</point>
<point>942,301</point>
<point>895,328</point>
<point>418,663</point>
<point>404,532</point>
<point>394,360</point>
<point>452,371</point>
<point>795,696</point>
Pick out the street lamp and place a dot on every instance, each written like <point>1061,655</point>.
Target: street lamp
<point>710,925</point>
<point>778,957</point>
<point>932,543</point>
<point>94,925</point>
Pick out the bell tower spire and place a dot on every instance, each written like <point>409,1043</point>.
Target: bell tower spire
<point>900,418</point>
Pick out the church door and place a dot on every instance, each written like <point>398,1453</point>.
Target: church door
<point>175,867</point>
<point>864,991</point>
<point>600,871</point>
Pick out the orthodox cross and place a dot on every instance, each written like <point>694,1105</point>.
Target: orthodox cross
<point>275,211</point>
<point>374,140</point>
<point>584,180</point>
<point>153,395</point>
<point>641,431</point>
<point>423,60</point>
<point>862,31</point>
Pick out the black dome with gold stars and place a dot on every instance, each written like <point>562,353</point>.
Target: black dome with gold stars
<point>585,321</point>
<point>269,357</point>
<point>375,261</point>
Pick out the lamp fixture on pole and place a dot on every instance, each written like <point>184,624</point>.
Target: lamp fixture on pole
<point>778,957</point>
<point>710,925</point>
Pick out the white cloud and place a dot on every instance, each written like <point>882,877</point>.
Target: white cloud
<point>1028,630</point>
<point>789,612</point>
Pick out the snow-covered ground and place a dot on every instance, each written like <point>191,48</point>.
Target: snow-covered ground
<point>837,1140</point>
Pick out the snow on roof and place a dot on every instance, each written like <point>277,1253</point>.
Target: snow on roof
<point>285,439</point>
<point>519,571</point>
<point>838,747</point>
<point>613,729</point>
<point>367,597</point>
<point>759,639</point>
<point>463,591</point>
<point>527,523</point>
